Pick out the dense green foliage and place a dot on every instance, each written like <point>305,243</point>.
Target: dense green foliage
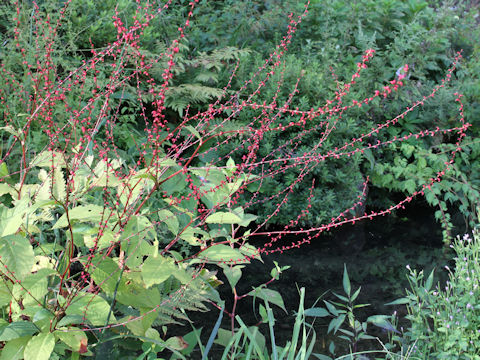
<point>332,38</point>
<point>108,235</point>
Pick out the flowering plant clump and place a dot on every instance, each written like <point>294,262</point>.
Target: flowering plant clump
<point>444,320</point>
<point>100,243</point>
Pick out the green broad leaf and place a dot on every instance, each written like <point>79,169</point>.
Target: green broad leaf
<point>382,321</point>
<point>336,323</point>
<point>317,312</point>
<point>4,170</point>
<point>223,337</point>
<point>216,233</point>
<point>247,219</point>
<point>429,282</point>
<point>156,270</point>
<point>136,238</point>
<point>82,213</point>
<point>176,343</point>
<point>277,270</point>
<point>269,295</point>
<point>90,239</point>
<point>231,167</point>
<point>355,294</point>
<point>263,313</point>
<point>191,339</point>
<point>17,329</point>
<point>74,338</point>
<point>421,164</point>
<point>165,162</point>
<point>106,273</point>
<point>17,256</point>
<point>175,184</point>
<point>153,334</point>
<point>211,176</point>
<point>42,319</point>
<point>58,185</point>
<point>331,308</point>
<point>136,295</point>
<point>70,320</point>
<point>346,281</point>
<point>239,211</point>
<point>401,301</point>
<point>12,219</point>
<point>169,219</point>
<point>93,308</point>
<point>234,186</point>
<point>252,252</point>
<point>47,159</point>
<point>222,217</point>
<point>189,236</point>
<point>221,253</point>
<point>407,149</point>
<point>6,189</point>
<point>104,173</point>
<point>138,326</point>
<point>5,293</point>
<point>233,274</point>
<point>14,349</point>
<point>40,347</point>
<point>33,286</point>
<point>47,248</point>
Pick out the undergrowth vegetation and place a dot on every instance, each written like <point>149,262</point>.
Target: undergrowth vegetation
<point>144,144</point>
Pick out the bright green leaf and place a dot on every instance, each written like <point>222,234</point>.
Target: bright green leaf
<point>429,282</point>
<point>17,257</point>
<point>156,270</point>
<point>317,312</point>
<point>169,219</point>
<point>222,217</point>
<point>233,274</point>
<point>82,213</point>
<point>401,301</point>
<point>17,329</point>
<point>13,350</point>
<point>74,339</point>
<point>40,347</point>
<point>221,253</point>
<point>94,308</point>
<point>271,296</point>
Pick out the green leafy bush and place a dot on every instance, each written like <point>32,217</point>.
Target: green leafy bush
<point>444,321</point>
<point>117,212</point>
